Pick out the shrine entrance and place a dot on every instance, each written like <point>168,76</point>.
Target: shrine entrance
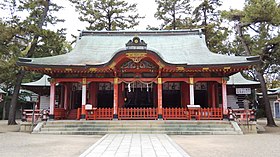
<point>139,95</point>
<point>105,96</point>
<point>171,95</point>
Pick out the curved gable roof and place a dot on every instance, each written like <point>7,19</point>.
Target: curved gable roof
<point>174,47</point>
<point>43,81</point>
<point>238,79</point>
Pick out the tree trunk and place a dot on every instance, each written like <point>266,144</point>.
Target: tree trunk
<point>174,17</point>
<point>270,120</point>
<point>205,26</point>
<point>20,75</point>
<point>4,110</point>
<point>13,106</point>
<point>241,37</point>
<point>267,107</point>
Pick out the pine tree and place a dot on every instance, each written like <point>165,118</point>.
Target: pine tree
<point>257,31</point>
<point>26,32</point>
<point>207,16</point>
<point>107,14</point>
<point>174,13</point>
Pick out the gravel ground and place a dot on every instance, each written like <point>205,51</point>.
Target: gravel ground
<point>19,144</point>
<point>16,144</point>
<point>257,145</point>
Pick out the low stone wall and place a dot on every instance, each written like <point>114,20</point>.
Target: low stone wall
<point>248,128</point>
<point>26,127</point>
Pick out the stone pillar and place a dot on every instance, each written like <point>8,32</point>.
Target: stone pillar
<point>159,90</point>
<point>52,99</point>
<point>116,97</point>
<point>224,96</point>
<point>191,91</point>
<point>84,98</point>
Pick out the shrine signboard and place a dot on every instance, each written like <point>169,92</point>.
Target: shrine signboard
<point>243,90</point>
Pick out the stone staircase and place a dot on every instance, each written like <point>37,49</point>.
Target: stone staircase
<point>174,127</point>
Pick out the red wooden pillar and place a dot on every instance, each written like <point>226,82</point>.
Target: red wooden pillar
<point>91,94</point>
<point>84,98</point>
<point>61,96</point>
<point>66,96</point>
<point>116,94</point>
<point>159,90</point>
<point>224,96</point>
<point>184,94</point>
<point>121,95</point>
<point>94,95</point>
<point>187,94</point>
<point>213,95</point>
<point>52,99</point>
<point>209,94</point>
<point>155,95</point>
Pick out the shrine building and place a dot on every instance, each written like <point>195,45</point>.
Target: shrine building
<point>139,75</point>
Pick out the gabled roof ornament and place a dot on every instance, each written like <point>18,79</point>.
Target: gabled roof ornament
<point>136,43</point>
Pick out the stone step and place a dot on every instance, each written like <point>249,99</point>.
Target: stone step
<point>141,132</point>
<point>134,125</point>
<point>138,122</point>
<point>176,127</point>
<point>138,129</point>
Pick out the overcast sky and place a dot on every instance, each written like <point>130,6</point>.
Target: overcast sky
<point>145,8</point>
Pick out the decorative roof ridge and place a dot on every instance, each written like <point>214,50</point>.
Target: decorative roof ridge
<point>145,32</point>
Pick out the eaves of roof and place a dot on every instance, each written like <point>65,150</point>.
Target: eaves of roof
<point>184,47</point>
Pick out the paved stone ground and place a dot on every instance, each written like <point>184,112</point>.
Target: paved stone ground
<point>16,144</point>
<point>135,145</point>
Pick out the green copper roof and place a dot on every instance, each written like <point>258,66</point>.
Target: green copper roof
<point>238,79</point>
<point>43,81</point>
<point>174,47</point>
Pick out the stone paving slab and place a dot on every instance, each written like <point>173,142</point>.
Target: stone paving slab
<point>135,145</point>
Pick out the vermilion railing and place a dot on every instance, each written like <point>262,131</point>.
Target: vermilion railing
<point>243,114</point>
<point>104,113</point>
<point>100,114</point>
<point>59,113</point>
<point>27,113</point>
<point>211,113</point>
<point>189,113</point>
<point>137,113</point>
<point>175,113</point>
